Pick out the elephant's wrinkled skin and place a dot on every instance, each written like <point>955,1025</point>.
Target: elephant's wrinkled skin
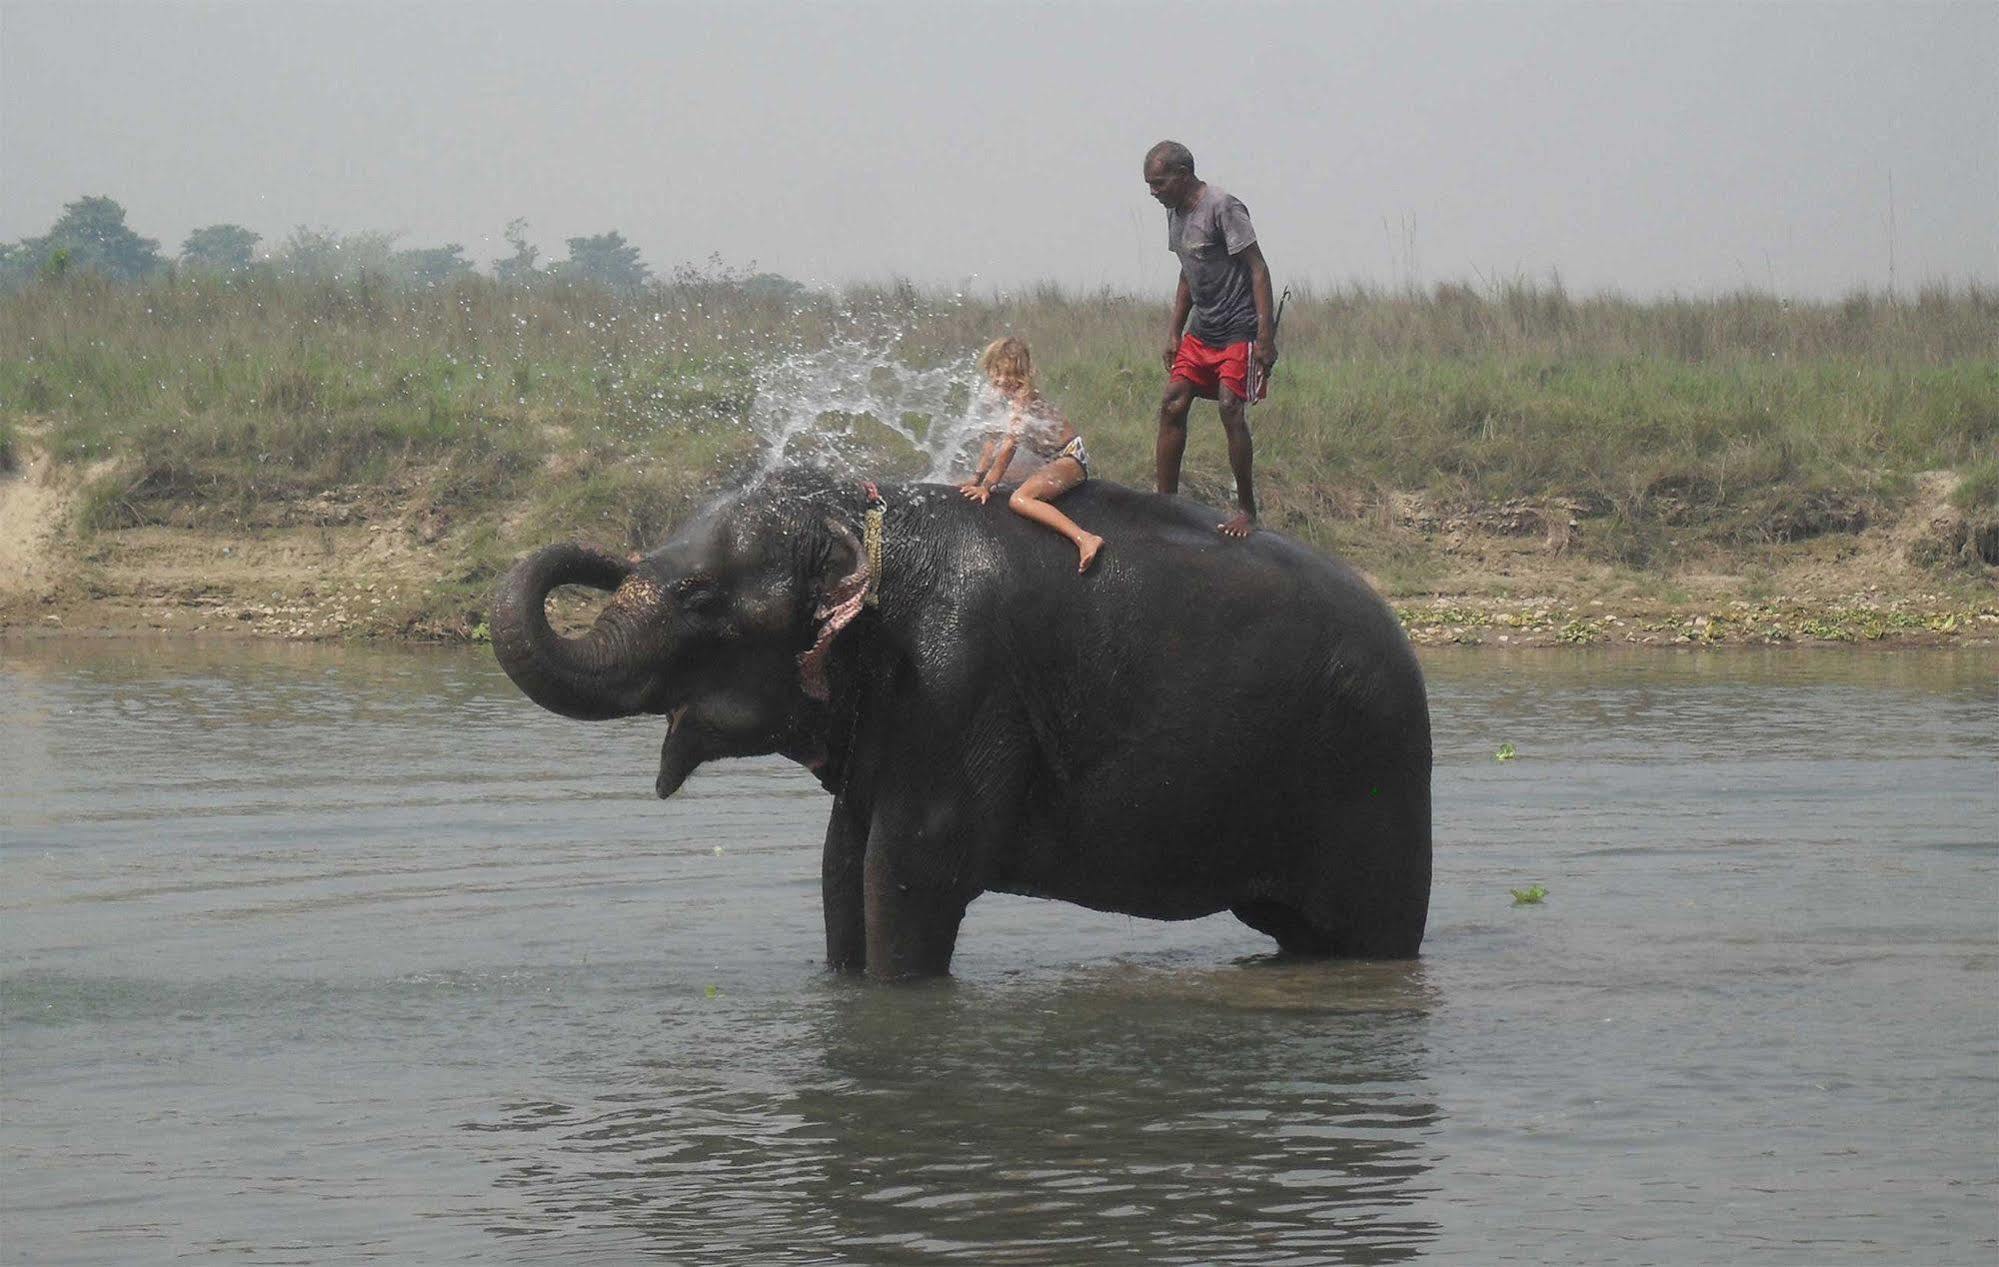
<point>1196,725</point>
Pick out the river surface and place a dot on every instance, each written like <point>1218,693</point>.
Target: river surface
<point>327,956</point>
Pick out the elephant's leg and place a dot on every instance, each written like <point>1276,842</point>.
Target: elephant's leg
<point>1366,900</point>
<point>943,803</point>
<point>842,887</point>
<point>1295,934</point>
<point>1387,925</point>
<point>912,920</point>
<point>1370,898</point>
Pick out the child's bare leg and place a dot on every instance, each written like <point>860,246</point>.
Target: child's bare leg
<point>1044,486</point>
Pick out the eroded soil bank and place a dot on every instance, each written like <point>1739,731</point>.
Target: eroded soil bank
<point>380,564</point>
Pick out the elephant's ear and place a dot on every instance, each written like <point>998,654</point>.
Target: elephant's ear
<point>842,586</point>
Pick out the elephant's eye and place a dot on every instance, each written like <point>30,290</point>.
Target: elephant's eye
<point>694,590</point>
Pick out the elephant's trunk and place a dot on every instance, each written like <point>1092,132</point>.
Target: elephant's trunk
<point>606,672</point>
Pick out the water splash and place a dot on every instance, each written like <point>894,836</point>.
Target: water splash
<point>860,407</point>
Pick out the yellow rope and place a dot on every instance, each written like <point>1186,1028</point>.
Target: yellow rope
<point>871,533</point>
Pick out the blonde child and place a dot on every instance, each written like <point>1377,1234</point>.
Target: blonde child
<point>1033,421</point>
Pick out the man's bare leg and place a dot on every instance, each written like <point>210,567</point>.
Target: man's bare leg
<point>1173,407</point>
<point>1242,459</point>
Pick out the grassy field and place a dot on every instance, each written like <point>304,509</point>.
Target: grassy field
<point>1663,432</point>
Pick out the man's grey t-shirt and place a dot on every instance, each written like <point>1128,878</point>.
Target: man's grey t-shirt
<point>1210,240</point>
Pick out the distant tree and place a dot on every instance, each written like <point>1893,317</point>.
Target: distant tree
<point>606,259</point>
<point>716,273</point>
<point>310,253</point>
<point>328,256</point>
<point>719,274</point>
<point>772,286</point>
<point>91,234</point>
<point>16,265</point>
<point>219,248</point>
<point>518,267</point>
<point>432,266</point>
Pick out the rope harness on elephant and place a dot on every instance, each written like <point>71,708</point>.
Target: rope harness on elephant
<point>843,600</point>
<point>871,537</point>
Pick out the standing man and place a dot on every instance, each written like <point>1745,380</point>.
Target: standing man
<point>1225,354</point>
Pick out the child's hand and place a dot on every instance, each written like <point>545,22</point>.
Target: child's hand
<point>975,491</point>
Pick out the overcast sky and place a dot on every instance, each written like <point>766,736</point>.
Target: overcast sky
<point>1645,148</point>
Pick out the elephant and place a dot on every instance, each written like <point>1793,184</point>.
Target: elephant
<point>1197,724</point>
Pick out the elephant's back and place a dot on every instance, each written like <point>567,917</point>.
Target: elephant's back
<point>1176,623</point>
<point>1180,536</point>
<point>1267,593</point>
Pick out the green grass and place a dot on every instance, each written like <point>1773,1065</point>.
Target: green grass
<point>1978,491</point>
<point>1675,425</point>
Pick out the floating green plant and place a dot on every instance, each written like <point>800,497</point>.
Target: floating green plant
<point>1505,753</point>
<point>1529,896</point>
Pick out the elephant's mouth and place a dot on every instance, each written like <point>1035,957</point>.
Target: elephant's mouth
<point>676,760</point>
<point>808,752</point>
<point>674,716</point>
<point>710,727</point>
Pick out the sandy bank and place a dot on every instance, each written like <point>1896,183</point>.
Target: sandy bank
<point>360,568</point>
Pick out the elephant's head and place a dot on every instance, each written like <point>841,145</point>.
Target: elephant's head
<point>725,630</point>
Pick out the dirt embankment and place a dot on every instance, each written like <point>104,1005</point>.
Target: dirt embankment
<point>369,565</point>
<point>1511,575</point>
<point>332,574</point>
<point>33,509</point>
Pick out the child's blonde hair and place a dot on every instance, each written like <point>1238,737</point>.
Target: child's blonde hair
<point>1007,364</point>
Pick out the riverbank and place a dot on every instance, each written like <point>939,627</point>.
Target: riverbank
<point>367,567</point>
<point>1513,466</point>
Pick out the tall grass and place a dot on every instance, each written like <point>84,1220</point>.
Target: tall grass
<point>1726,420</point>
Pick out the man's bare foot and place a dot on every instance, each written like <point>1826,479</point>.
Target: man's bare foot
<point>1087,551</point>
<point>1240,524</point>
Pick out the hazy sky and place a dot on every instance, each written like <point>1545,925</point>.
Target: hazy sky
<point>1639,147</point>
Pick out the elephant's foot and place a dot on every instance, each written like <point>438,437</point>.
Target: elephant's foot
<point>1332,933</point>
<point>912,929</point>
<point>916,940</point>
<point>846,949</point>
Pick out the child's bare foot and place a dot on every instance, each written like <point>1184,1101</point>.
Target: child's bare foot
<point>1087,551</point>
<point>1241,524</point>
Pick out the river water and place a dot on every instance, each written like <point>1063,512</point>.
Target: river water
<point>322,956</point>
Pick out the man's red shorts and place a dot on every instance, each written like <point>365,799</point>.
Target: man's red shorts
<point>1205,366</point>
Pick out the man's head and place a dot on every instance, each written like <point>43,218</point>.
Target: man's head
<point>1169,174</point>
